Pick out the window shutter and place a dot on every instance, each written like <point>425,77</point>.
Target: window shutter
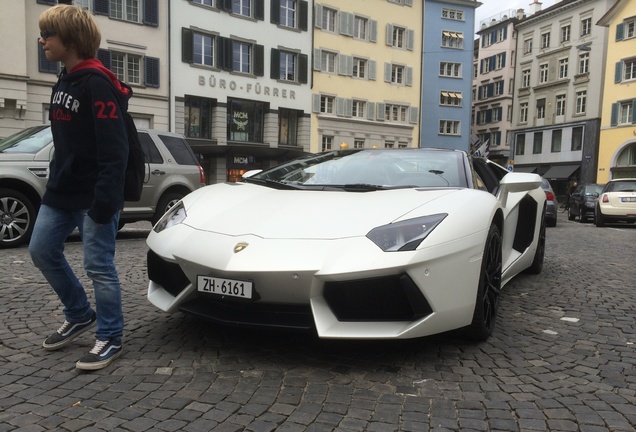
<point>505,33</point>
<point>408,2</point>
<point>345,23</point>
<point>373,31</point>
<point>410,40</point>
<point>48,2</point>
<point>618,72</point>
<point>224,5</point>
<point>389,34</point>
<point>274,12</point>
<point>409,76</point>
<point>303,15</point>
<point>343,63</point>
<point>101,7</point>
<point>224,53</point>
<point>44,65</point>
<point>318,16</point>
<point>104,56</point>
<point>151,13</point>
<point>379,113</point>
<point>187,45</point>
<point>340,106</point>
<point>274,68</point>
<point>315,103</point>
<point>317,59</point>
<point>372,68</point>
<point>503,57</point>
<point>620,32</point>
<point>259,9</point>
<point>151,67</point>
<point>387,72</point>
<point>493,63</point>
<point>370,110</point>
<point>614,118</point>
<point>634,112</point>
<point>414,114</point>
<point>259,60</point>
<point>303,69</point>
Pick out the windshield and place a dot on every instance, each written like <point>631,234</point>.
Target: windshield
<point>385,168</point>
<point>30,140</point>
<point>622,186</point>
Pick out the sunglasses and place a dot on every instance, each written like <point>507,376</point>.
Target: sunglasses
<point>46,34</point>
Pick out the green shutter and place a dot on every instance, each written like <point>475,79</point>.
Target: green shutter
<point>614,119</point>
<point>618,72</point>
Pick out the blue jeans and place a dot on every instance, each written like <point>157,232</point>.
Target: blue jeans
<point>47,252</point>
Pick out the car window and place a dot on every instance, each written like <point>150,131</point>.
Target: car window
<point>622,186</point>
<point>149,148</point>
<point>27,141</point>
<point>179,149</point>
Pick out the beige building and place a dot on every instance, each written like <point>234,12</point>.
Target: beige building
<point>134,45</point>
<point>617,149</point>
<point>366,74</point>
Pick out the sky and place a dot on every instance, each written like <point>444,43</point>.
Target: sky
<point>490,8</point>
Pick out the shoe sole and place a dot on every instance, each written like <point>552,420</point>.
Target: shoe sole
<point>68,340</point>
<point>97,365</point>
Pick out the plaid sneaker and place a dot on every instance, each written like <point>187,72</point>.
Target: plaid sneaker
<point>102,354</point>
<point>67,332</point>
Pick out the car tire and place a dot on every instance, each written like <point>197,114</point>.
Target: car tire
<point>165,202</point>
<point>582,217</point>
<point>598,217</point>
<point>539,255</point>
<point>489,288</point>
<point>17,218</point>
<point>551,222</point>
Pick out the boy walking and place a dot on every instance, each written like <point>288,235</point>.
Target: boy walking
<point>85,185</point>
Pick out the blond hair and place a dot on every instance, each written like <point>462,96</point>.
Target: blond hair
<point>75,26</point>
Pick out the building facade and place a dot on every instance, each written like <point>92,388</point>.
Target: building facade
<point>240,82</point>
<point>558,91</point>
<point>617,150</point>
<point>447,59</point>
<point>366,75</point>
<point>493,83</point>
<point>134,46</point>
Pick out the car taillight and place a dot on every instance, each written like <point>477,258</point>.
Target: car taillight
<point>549,196</point>
<point>605,198</point>
<point>201,175</point>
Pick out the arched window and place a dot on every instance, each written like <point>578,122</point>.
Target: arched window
<point>626,163</point>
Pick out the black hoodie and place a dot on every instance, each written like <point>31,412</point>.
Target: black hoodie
<point>91,145</point>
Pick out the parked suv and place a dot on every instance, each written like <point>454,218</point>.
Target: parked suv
<point>172,171</point>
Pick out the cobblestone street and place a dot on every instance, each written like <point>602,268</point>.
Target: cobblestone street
<point>562,358</point>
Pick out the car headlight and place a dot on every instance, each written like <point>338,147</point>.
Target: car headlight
<point>174,216</point>
<point>405,235</point>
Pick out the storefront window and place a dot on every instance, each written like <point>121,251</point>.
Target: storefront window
<point>245,120</point>
<point>288,127</point>
<point>198,117</point>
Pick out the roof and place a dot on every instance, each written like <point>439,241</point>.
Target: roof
<point>611,13</point>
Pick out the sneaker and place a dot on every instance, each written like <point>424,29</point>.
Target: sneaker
<point>67,332</point>
<point>102,354</point>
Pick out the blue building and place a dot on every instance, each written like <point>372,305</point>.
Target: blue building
<point>447,67</point>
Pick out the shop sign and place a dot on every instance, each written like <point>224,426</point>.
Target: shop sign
<point>248,88</point>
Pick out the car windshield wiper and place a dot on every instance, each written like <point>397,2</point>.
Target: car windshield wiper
<point>365,187</point>
<point>270,183</point>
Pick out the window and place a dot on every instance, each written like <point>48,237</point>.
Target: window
<point>397,74</point>
<point>360,28</point>
<point>520,145</point>
<point>545,40</point>
<point>630,29</point>
<point>203,2</point>
<point>450,69</point>
<point>197,117</point>
<point>537,144</point>
<point>630,70</point>
<point>395,113</point>
<point>563,68</point>
<point>449,127</point>
<point>586,26</point>
<point>389,144</point>
<point>359,68</point>
<point>453,14</point>
<point>242,7</point>
<point>577,138</point>
<point>288,13</point>
<point>525,78</point>
<point>288,67</point>
<point>203,46</point>
<point>556,140</point>
<point>328,61</point>
<point>560,105</point>
<point>327,104</point>
<point>584,63</point>
<point>452,39</point>
<point>625,112</point>
<point>449,98</point>
<point>358,143</point>
<point>288,126</point>
<point>46,66</point>
<point>543,73</point>
<point>541,108</point>
<point>523,112</point>
<point>328,19</point>
<point>84,4</point>
<point>398,37</point>
<point>358,109</point>
<point>501,60</point>
<point>327,142</point>
<point>527,46</point>
<point>499,88</point>
<point>565,33</point>
<point>245,120</point>
<point>241,57</point>
<point>127,67</point>
<point>581,101</point>
<point>128,10</point>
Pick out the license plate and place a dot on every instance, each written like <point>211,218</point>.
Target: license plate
<point>228,287</point>
<point>628,199</point>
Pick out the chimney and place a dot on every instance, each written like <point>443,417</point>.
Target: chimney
<point>535,7</point>
<point>521,14</point>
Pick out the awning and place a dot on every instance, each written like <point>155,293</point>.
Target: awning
<point>560,172</point>
<point>525,169</point>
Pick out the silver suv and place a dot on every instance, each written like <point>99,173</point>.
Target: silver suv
<point>172,171</point>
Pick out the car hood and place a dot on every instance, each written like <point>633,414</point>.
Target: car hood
<point>246,209</point>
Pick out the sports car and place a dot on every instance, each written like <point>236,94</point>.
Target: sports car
<point>358,244</point>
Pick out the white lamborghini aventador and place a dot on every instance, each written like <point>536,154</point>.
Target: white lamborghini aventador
<point>360,244</point>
